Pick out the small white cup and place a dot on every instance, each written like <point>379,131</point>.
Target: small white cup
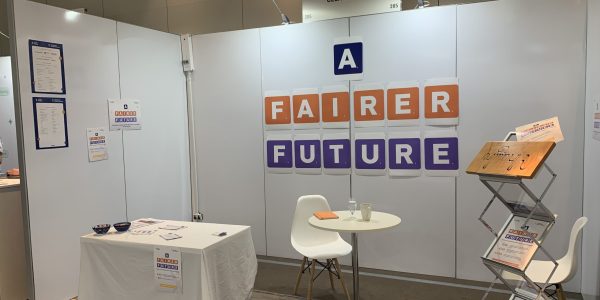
<point>365,211</point>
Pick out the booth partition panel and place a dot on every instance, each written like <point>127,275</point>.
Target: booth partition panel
<point>299,59</point>
<point>67,195</point>
<point>591,206</point>
<point>518,67</point>
<point>414,46</point>
<point>146,173</point>
<point>228,117</point>
<point>157,155</point>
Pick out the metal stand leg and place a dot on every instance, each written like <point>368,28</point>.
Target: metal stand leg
<point>355,265</point>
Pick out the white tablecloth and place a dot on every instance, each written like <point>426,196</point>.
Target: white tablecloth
<point>121,265</point>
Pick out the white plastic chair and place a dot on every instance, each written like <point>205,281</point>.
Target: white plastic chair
<point>316,245</point>
<point>539,270</point>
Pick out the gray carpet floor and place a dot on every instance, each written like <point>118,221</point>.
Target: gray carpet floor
<point>263,295</point>
<point>276,282</point>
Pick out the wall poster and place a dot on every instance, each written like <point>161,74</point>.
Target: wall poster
<point>125,114</point>
<point>47,67</point>
<point>97,144</point>
<point>50,123</point>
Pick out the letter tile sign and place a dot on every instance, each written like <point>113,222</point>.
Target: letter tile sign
<point>369,153</point>
<point>307,153</point>
<point>404,152</point>
<point>336,153</point>
<point>403,104</point>
<point>441,153</point>
<point>277,110</point>
<point>369,105</point>
<point>305,108</point>
<point>306,129</point>
<point>335,106</point>
<point>441,101</point>
<point>279,153</point>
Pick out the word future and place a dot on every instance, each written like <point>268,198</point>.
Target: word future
<point>402,103</point>
<point>440,153</point>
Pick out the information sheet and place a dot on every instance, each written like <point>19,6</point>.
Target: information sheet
<point>167,268</point>
<point>97,144</point>
<point>545,130</point>
<point>125,114</point>
<point>50,118</point>
<point>515,247</point>
<point>47,67</point>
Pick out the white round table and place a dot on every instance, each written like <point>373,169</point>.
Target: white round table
<point>354,224</point>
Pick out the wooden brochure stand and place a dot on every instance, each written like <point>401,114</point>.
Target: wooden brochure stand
<point>505,167</point>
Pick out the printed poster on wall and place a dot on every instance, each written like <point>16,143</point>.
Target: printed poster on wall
<point>335,106</point>
<point>515,247</point>
<point>277,110</point>
<point>545,130</point>
<point>50,121</point>
<point>306,108</point>
<point>402,104</point>
<point>97,144</point>
<point>167,269</point>
<point>47,67</point>
<point>404,152</point>
<point>442,101</point>
<point>369,105</point>
<point>441,153</point>
<point>307,154</point>
<point>279,153</point>
<point>337,157</point>
<point>369,154</point>
<point>125,114</point>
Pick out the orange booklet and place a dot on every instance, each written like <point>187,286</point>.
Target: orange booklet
<point>325,215</point>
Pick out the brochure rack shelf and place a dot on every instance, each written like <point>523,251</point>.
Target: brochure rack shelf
<point>508,169</point>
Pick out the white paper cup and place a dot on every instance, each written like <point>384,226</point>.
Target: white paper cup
<point>365,211</point>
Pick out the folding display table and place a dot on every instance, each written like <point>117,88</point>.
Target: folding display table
<point>121,265</point>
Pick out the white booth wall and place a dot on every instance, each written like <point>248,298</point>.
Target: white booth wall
<point>591,204</point>
<point>8,130</point>
<point>522,69</point>
<point>512,70</point>
<point>146,173</point>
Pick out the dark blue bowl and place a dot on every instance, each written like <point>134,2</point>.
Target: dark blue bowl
<point>123,226</point>
<point>101,229</point>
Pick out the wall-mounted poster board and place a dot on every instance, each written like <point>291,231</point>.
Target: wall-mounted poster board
<point>47,67</point>
<point>50,120</point>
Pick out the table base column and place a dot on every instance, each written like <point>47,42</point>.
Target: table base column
<point>355,265</point>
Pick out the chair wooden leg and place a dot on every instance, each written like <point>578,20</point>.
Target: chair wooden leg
<point>337,267</point>
<point>560,292</point>
<point>300,275</point>
<point>312,278</point>
<point>329,263</point>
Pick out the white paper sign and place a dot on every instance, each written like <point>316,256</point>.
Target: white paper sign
<point>97,144</point>
<point>125,114</point>
<point>167,268</point>
<point>545,130</point>
<point>515,247</point>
